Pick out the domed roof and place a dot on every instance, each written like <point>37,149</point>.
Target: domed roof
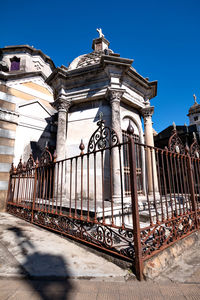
<point>100,46</point>
<point>86,60</point>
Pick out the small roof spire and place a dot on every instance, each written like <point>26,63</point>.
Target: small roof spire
<point>100,43</point>
<point>195,98</point>
<point>99,30</point>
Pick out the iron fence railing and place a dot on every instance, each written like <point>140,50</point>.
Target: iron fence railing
<point>84,197</point>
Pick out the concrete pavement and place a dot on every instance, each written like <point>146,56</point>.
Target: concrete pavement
<point>60,269</point>
<point>28,249</point>
<point>92,290</point>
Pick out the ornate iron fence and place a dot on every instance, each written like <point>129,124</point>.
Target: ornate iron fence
<point>84,197</point>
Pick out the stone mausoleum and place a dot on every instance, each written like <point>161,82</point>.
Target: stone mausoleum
<point>41,105</point>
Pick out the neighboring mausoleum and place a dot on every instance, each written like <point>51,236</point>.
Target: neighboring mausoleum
<point>26,116</point>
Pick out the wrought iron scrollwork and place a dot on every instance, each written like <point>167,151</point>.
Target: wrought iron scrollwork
<point>46,157</point>
<point>105,237</point>
<point>21,212</point>
<point>194,148</point>
<point>102,138</point>
<point>175,144</point>
<point>20,166</point>
<point>160,236</point>
<point>30,163</point>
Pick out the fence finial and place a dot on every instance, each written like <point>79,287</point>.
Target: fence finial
<point>187,149</point>
<point>37,162</point>
<point>194,136</point>
<point>81,147</point>
<point>130,129</point>
<point>12,168</point>
<point>54,156</point>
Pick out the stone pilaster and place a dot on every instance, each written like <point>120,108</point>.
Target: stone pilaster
<point>147,113</point>
<point>62,106</point>
<point>115,96</point>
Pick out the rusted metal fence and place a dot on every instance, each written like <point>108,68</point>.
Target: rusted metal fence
<point>84,196</point>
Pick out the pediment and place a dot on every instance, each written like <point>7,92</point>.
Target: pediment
<point>35,109</point>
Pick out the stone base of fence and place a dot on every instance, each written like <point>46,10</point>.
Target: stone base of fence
<point>159,263</point>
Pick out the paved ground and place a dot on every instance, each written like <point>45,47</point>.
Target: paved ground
<point>62,270</point>
<point>92,290</point>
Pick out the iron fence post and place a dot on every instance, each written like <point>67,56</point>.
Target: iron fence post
<point>9,185</point>
<point>191,187</point>
<point>34,191</point>
<point>135,211</point>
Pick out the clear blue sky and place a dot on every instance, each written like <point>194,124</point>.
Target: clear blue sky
<point>161,36</point>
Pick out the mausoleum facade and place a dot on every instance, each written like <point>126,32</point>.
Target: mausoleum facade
<point>58,107</point>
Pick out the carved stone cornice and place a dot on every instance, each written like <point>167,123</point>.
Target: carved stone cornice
<point>147,111</point>
<point>61,104</point>
<point>115,95</point>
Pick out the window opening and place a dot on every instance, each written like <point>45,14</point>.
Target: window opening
<point>15,64</point>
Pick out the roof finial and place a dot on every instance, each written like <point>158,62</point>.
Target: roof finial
<point>99,30</point>
<point>100,116</point>
<point>194,135</point>
<point>174,126</point>
<point>195,98</point>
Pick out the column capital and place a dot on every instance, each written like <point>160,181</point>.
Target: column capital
<point>115,94</point>
<point>147,111</point>
<point>61,104</point>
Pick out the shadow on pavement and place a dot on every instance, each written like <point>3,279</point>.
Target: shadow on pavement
<point>47,274</point>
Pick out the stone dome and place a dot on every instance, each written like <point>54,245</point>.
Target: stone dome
<point>86,60</point>
<point>100,47</point>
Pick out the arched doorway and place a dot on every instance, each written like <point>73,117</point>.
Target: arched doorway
<point>136,136</point>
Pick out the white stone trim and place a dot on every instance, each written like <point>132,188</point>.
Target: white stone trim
<point>31,92</point>
<point>9,116</point>
<point>133,100</point>
<point>9,98</point>
<point>37,80</point>
<point>50,110</point>
<point>87,94</point>
<point>3,185</point>
<point>6,150</point>
<point>6,133</point>
<point>22,124</point>
<point>5,167</point>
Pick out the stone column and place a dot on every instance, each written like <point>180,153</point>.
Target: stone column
<point>115,96</point>
<point>62,106</point>
<point>147,113</point>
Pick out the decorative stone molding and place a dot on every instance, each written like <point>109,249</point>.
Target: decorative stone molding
<point>9,116</point>
<point>115,95</point>
<point>147,111</point>
<point>61,104</point>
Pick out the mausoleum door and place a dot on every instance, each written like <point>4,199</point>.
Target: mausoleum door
<point>127,185</point>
